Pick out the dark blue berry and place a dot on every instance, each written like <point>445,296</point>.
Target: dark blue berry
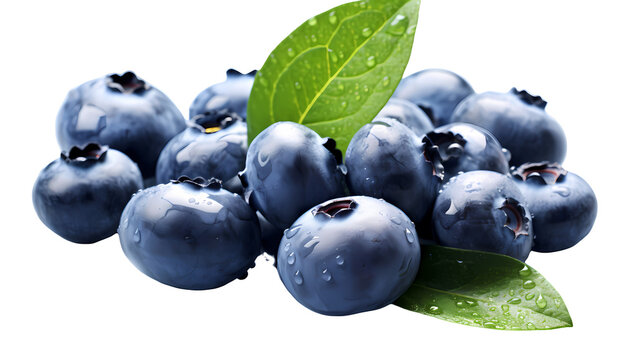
<point>483,210</point>
<point>231,95</point>
<point>435,91</point>
<point>408,114</point>
<point>519,121</point>
<point>289,169</point>
<point>562,204</point>
<point>81,195</point>
<point>349,255</point>
<point>213,146</point>
<point>190,234</point>
<point>121,111</point>
<point>385,159</point>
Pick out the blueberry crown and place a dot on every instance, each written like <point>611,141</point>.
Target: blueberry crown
<point>232,73</point>
<point>128,83</point>
<point>335,208</point>
<point>517,220</point>
<point>212,121</point>
<point>331,145</point>
<point>199,182</point>
<point>529,99</point>
<point>440,147</point>
<point>544,173</point>
<point>90,153</point>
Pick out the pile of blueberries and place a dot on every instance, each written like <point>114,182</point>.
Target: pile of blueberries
<point>440,164</point>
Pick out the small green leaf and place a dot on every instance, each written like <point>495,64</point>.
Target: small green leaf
<point>337,70</point>
<point>484,289</point>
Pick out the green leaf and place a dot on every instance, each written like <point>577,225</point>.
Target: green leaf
<point>336,71</point>
<point>484,289</point>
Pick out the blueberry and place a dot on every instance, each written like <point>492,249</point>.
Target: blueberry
<point>270,235</point>
<point>121,111</point>
<point>483,210</point>
<point>349,255</point>
<point>461,147</point>
<point>519,121</point>
<point>563,205</point>
<point>190,234</point>
<point>408,114</point>
<point>231,94</point>
<point>81,195</point>
<point>289,169</point>
<point>435,91</point>
<point>385,159</point>
<point>213,146</point>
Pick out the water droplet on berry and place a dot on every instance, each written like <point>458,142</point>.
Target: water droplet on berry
<point>395,220</point>
<point>291,258</point>
<point>287,246</point>
<point>339,259</point>
<point>292,231</point>
<point>125,223</point>
<point>298,278</point>
<point>561,190</point>
<point>409,236</point>
<point>326,276</point>
<point>137,236</point>
<point>191,200</point>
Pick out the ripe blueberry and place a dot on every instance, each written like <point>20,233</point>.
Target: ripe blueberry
<point>81,195</point>
<point>483,210</point>
<point>231,95</point>
<point>519,121</point>
<point>563,205</point>
<point>408,114</point>
<point>121,111</point>
<point>289,169</point>
<point>213,146</point>
<point>385,159</point>
<point>435,91</point>
<point>190,234</point>
<point>349,255</point>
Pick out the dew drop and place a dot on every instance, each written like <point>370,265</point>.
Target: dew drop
<point>541,302</point>
<point>332,18</point>
<point>505,308</point>
<point>290,52</point>
<point>529,284</point>
<point>191,200</point>
<point>344,104</point>
<point>298,278</point>
<point>557,303</point>
<point>297,85</point>
<point>326,276</point>
<point>561,190</point>
<point>395,220</point>
<point>531,326</point>
<point>292,231</point>
<point>313,38</point>
<point>365,88</point>
<point>435,310</point>
<point>525,271</point>
<point>125,223</point>
<point>514,301</point>
<point>287,246</point>
<point>362,4</point>
<point>511,292</point>
<point>273,58</point>
<point>529,296</point>
<point>398,25</point>
<point>333,57</point>
<point>370,61</point>
<point>409,236</point>
<point>339,259</point>
<point>291,258</point>
<point>386,81</point>
<point>137,236</point>
<point>366,32</point>
<point>312,21</point>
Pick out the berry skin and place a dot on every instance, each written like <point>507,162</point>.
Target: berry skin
<point>408,114</point>
<point>231,95</point>
<point>81,195</point>
<point>289,169</point>
<point>385,159</point>
<point>121,111</point>
<point>519,121</point>
<point>461,147</point>
<point>270,235</point>
<point>483,210</point>
<point>563,205</point>
<point>435,91</point>
<point>190,234</point>
<point>213,146</point>
<point>349,255</point>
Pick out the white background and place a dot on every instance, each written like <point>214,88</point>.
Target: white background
<point>62,300</point>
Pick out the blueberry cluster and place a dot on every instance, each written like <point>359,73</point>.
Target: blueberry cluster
<point>439,164</point>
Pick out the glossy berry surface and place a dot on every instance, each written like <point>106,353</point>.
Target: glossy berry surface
<point>349,255</point>
<point>408,114</point>
<point>121,111</point>
<point>289,169</point>
<point>462,147</point>
<point>483,210</point>
<point>519,121</point>
<point>270,235</point>
<point>81,195</point>
<point>190,234</point>
<point>230,95</point>
<point>563,205</point>
<point>385,159</point>
<point>435,91</point>
<point>213,146</point>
